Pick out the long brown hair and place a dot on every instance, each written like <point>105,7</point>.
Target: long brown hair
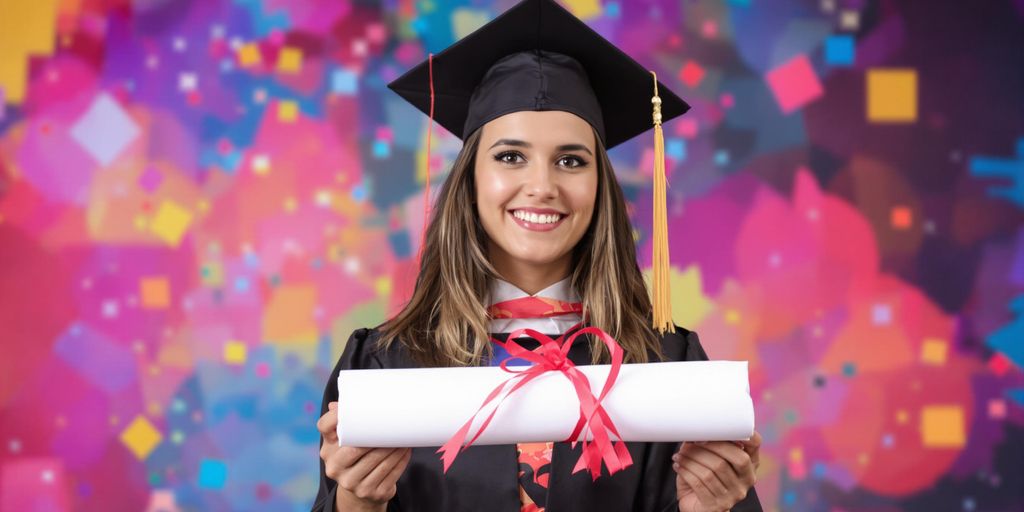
<point>445,323</point>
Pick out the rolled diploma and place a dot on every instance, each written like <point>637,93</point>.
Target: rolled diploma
<point>652,402</point>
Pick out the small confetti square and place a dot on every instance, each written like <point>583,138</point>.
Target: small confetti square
<point>794,84</point>
<point>287,111</point>
<point>171,222</point>
<point>109,309</point>
<point>675,149</point>
<point>709,29</point>
<point>849,369</point>
<point>384,133</point>
<point>234,352</point>
<point>584,9</point>
<point>141,437</point>
<point>849,20</point>
<point>999,364</point>
<point>155,292</point>
<point>212,474</point>
<point>881,314</point>
<point>942,426</point>
<point>262,370</point>
<point>344,82</point>
<point>376,33</point>
<point>933,352</point>
<point>997,409</point>
<point>687,128</point>
<point>249,55</point>
<point>840,50</point>
<point>289,60</point>
<point>187,82</point>
<point>892,95</point>
<point>261,164</point>
<point>691,74</point>
<point>901,218</point>
<point>150,179</point>
<point>212,274</point>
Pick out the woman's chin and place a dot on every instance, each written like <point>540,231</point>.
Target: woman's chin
<point>536,258</point>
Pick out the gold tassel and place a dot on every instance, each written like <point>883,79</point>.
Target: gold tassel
<point>662,313</point>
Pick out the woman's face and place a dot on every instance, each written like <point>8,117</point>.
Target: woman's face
<point>536,184</point>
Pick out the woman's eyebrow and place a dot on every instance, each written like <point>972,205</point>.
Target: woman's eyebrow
<point>524,144</point>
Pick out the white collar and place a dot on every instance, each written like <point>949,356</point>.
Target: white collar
<point>502,291</point>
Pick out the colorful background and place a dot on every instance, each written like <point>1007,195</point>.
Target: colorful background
<point>200,200</point>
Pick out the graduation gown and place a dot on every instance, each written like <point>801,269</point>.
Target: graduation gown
<point>486,477</point>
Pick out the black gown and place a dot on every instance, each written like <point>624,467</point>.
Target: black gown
<point>485,478</point>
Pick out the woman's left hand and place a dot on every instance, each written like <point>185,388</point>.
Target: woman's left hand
<point>714,476</point>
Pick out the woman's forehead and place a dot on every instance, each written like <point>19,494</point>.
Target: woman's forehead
<point>539,128</point>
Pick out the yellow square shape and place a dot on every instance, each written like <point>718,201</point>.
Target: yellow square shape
<point>892,95</point>
<point>141,437</point>
<point>249,55</point>
<point>234,352</point>
<point>171,222</point>
<point>289,60</point>
<point>943,426</point>
<point>933,352</point>
<point>155,292</point>
<point>287,111</point>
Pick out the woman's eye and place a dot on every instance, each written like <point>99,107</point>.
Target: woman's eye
<point>510,157</point>
<point>572,161</point>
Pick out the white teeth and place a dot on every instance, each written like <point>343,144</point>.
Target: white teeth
<point>535,218</point>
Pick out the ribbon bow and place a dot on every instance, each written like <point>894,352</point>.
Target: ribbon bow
<point>553,355</point>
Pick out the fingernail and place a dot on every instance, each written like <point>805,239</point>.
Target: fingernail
<point>675,466</point>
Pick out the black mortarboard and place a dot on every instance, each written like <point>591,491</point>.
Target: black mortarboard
<point>537,56</point>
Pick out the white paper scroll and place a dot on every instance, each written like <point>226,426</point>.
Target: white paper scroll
<point>670,402</point>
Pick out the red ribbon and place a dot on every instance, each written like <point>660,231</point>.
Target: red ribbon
<point>534,307</point>
<point>553,355</point>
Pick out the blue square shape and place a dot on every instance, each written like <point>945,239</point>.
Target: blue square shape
<point>212,474</point>
<point>675,149</point>
<point>840,50</point>
<point>344,82</point>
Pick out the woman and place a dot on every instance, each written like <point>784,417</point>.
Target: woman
<point>530,230</point>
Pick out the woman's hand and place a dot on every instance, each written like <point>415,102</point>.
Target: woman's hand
<point>714,476</point>
<point>367,477</point>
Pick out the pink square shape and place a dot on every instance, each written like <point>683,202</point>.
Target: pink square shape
<point>794,84</point>
<point>996,409</point>
<point>691,74</point>
<point>376,33</point>
<point>710,29</point>
<point>262,370</point>
<point>686,127</point>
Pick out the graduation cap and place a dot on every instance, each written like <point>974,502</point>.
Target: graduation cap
<point>538,56</point>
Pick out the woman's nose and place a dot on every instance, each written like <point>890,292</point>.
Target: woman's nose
<point>541,182</point>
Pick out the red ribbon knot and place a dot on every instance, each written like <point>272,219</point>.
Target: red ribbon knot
<point>553,355</point>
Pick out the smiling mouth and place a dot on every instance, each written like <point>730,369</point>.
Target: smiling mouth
<point>540,219</point>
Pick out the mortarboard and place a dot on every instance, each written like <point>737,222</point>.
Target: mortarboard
<point>538,56</point>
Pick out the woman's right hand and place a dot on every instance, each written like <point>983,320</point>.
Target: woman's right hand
<point>367,477</point>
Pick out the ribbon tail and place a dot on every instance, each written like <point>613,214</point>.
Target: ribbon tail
<point>451,449</point>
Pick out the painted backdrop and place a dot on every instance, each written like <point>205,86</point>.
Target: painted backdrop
<point>200,200</point>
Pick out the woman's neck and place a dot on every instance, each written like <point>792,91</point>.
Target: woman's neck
<point>531,278</point>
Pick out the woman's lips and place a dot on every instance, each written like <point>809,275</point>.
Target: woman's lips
<point>537,226</point>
